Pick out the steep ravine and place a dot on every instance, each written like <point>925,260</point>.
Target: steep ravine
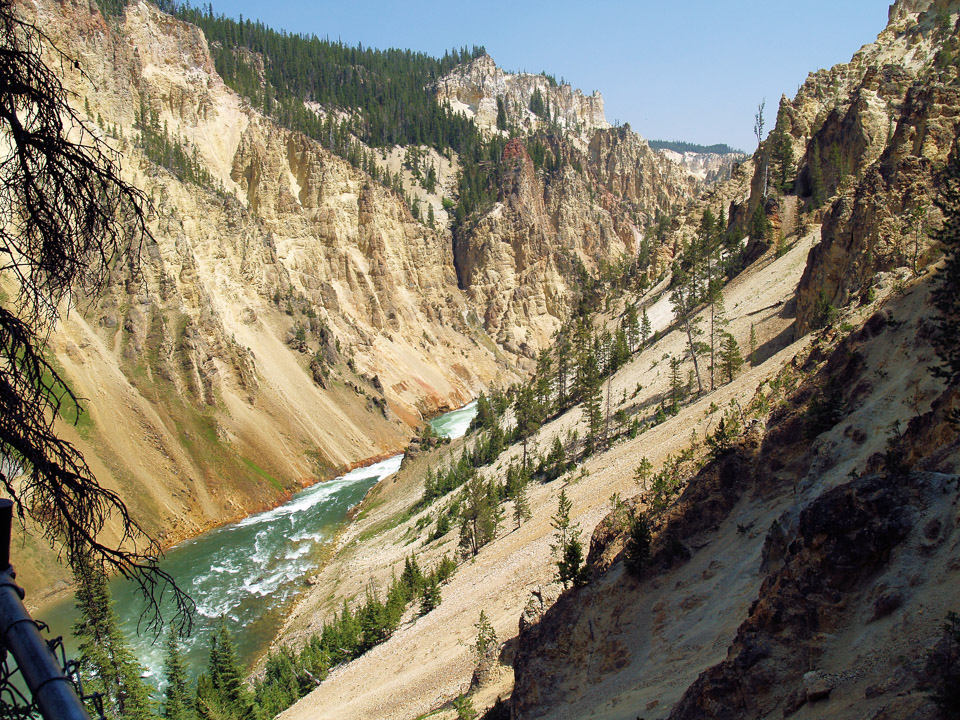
<point>281,331</point>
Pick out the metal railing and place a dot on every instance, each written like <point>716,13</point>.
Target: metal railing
<point>52,692</point>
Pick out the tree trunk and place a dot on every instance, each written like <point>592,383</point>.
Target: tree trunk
<point>693,356</point>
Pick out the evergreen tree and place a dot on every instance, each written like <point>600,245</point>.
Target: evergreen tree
<point>521,505</point>
<point>177,703</point>
<point>556,461</point>
<point>431,596</point>
<point>631,327</point>
<point>636,554</point>
<point>527,417</point>
<point>206,702</point>
<point>718,323</point>
<point>730,356</point>
<point>592,402</point>
<point>645,327</point>
<point>676,385</point>
<point>107,665</point>
<point>537,105</point>
<point>544,377</point>
<point>480,516</point>
<point>759,224</point>
<point>562,349</point>
<point>753,345</point>
<point>229,696</point>
<point>782,152</point>
<point>643,472</point>
<point>486,643</point>
<point>683,299</point>
<point>280,687</point>
<point>566,547</point>
<point>501,114</point>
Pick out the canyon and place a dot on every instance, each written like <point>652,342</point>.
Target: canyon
<point>291,316</point>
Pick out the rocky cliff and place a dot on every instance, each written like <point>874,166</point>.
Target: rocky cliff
<point>291,319</point>
<point>706,167</point>
<point>475,88</point>
<point>869,137</point>
<point>806,571</point>
<point>521,261</point>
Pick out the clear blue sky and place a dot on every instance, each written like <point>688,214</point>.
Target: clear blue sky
<point>690,70</point>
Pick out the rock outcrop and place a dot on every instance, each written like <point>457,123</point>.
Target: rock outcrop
<point>238,366</point>
<point>868,136</point>
<point>709,168</point>
<point>521,261</point>
<point>473,89</point>
<point>804,572</point>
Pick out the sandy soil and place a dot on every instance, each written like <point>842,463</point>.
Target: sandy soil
<point>428,662</point>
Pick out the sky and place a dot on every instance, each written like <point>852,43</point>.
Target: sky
<point>692,70</point>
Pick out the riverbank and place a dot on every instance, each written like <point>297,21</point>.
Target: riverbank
<point>251,571</point>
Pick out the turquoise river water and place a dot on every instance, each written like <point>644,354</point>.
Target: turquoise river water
<point>250,571</point>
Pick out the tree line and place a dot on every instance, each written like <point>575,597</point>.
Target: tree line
<point>113,681</point>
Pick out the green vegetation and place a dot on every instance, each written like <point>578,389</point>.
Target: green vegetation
<point>636,555</point>
<point>177,702</point>
<point>222,692</point>
<point>290,675</point>
<point>169,152</point>
<point>567,548</point>
<point>818,191</point>
<point>386,89</point>
<point>277,485</point>
<point>107,665</point>
<point>682,147</point>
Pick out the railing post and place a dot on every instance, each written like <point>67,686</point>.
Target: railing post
<point>52,691</point>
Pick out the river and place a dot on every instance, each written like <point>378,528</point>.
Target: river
<point>250,571</point>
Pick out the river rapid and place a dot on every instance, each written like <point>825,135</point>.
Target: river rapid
<point>250,571</point>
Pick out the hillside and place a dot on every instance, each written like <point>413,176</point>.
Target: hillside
<point>723,363</point>
<point>302,305</point>
<point>805,566</point>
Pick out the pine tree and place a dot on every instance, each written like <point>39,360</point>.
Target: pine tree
<point>486,643</point>
<point>636,554</point>
<point>231,698</point>
<point>107,664</point>
<point>480,516</point>
<point>676,385</point>
<point>718,322</point>
<point>526,416</point>
<point>730,356</point>
<point>177,703</point>
<point>683,299</point>
<point>501,114</point>
<point>645,328</point>
<point>753,345</point>
<point>567,548</point>
<point>782,152</point>
<point>431,596</point>
<point>631,327</point>
<point>592,403</point>
<point>544,384</point>
<point>562,349</point>
<point>521,505</point>
<point>643,472</point>
<point>759,224</point>
<point>206,700</point>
